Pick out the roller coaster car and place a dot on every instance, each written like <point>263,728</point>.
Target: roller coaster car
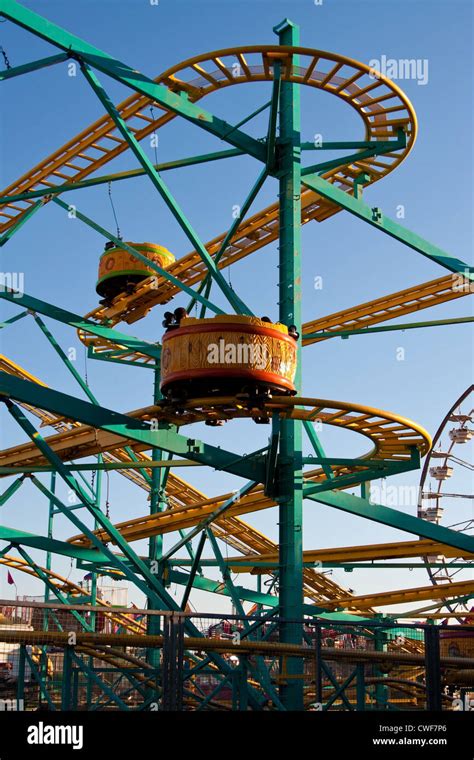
<point>120,272</point>
<point>226,355</point>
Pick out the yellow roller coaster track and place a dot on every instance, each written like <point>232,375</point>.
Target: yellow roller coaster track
<point>382,106</point>
<point>366,553</point>
<point>384,110</point>
<point>375,101</point>
<point>72,589</point>
<point>230,529</point>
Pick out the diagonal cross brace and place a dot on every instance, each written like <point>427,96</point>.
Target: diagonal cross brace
<point>164,191</point>
<point>128,427</point>
<point>130,77</point>
<point>374,217</point>
<point>35,305</point>
<point>396,519</point>
<point>149,583</point>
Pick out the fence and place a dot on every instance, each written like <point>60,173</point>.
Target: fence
<point>105,658</point>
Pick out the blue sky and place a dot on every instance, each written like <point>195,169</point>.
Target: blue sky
<point>59,257</point>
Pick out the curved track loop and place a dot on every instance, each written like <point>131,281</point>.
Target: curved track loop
<point>230,529</point>
<point>381,105</point>
<point>391,436</point>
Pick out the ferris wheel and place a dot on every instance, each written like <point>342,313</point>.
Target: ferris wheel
<point>446,487</point>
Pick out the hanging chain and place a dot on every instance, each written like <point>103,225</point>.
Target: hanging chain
<point>5,58</point>
<point>113,211</point>
<point>107,503</point>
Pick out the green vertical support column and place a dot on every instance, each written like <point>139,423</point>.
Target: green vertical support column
<point>155,547</point>
<point>243,690</point>
<point>67,680</point>
<point>93,615</point>
<point>44,649</point>
<point>50,535</point>
<point>360,686</point>
<point>290,465</point>
<point>381,691</point>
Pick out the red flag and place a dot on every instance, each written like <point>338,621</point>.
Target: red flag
<point>10,579</point>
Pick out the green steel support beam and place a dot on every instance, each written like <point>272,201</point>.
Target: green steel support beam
<point>375,150</point>
<point>49,554</point>
<point>206,283</point>
<point>39,680</point>
<point>11,490</point>
<point>80,323</point>
<point>102,467</point>
<point>290,487</point>
<point>164,191</point>
<point>14,319</point>
<point>348,144</point>
<point>356,478</point>
<point>26,68</point>
<point>248,118</point>
<point>375,218</point>
<point>388,328</point>
<point>20,222</point>
<point>130,77</point>
<point>226,577</point>
<point>194,570</point>
<point>128,427</point>
<point>316,444</point>
<point>51,587</point>
<point>66,679</point>
<point>208,520</point>
<point>346,566</point>
<point>20,694</point>
<point>6,549</point>
<point>96,679</point>
<point>340,688</point>
<point>396,519</point>
<point>259,668</point>
<point>53,545</point>
<point>70,366</point>
<point>133,251</point>
<point>272,456</point>
<point>155,543</point>
<point>148,583</point>
<point>273,118</point>
<point>64,358</point>
<point>105,179</point>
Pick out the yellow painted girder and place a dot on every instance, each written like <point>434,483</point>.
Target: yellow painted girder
<point>402,596</point>
<point>387,551</point>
